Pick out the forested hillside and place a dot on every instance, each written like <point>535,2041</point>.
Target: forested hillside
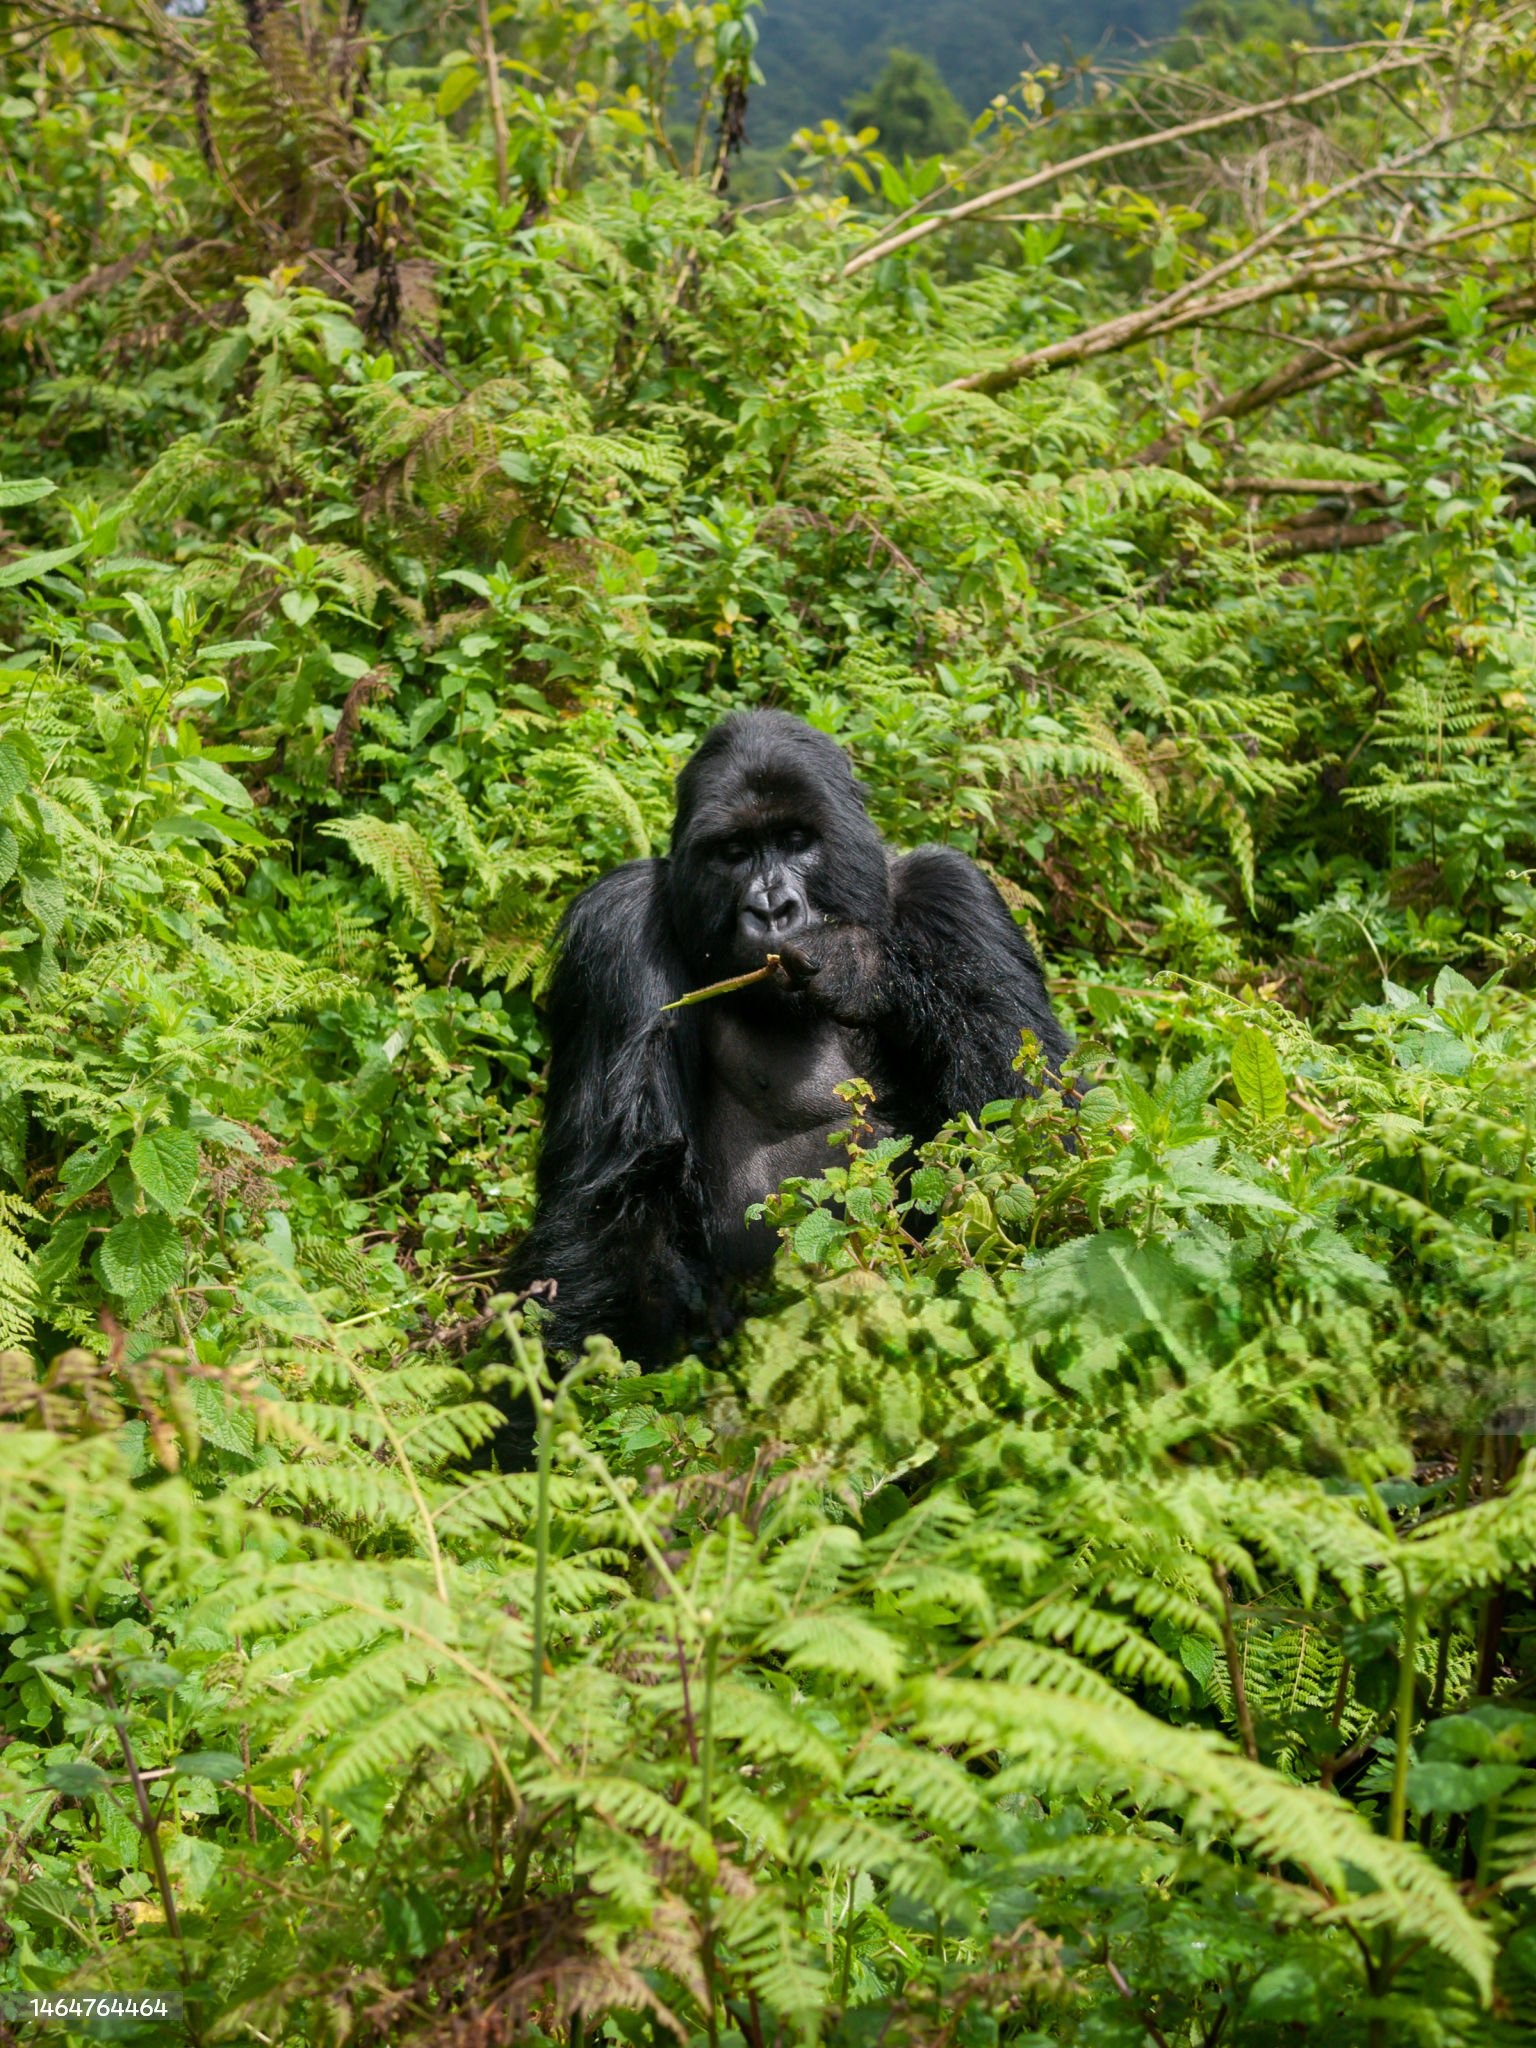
<point>1088,1598</point>
<point>816,54</point>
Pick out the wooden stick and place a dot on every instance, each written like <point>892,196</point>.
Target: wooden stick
<point>1207,124</point>
<point>726,988</point>
<point>492,63</point>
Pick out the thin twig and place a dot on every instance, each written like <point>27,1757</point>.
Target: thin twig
<point>1240,1706</point>
<point>493,88</point>
<point>725,988</point>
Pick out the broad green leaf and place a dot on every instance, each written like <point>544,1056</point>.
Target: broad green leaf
<point>140,1259</point>
<point>815,1237</point>
<point>1099,1108</point>
<point>13,773</point>
<point>1457,1788</point>
<point>146,618</point>
<point>218,1764</point>
<point>89,1166</point>
<point>42,891</point>
<point>1257,1073</point>
<point>1448,985</point>
<point>216,783</point>
<point>164,1164</point>
<point>77,1778</point>
<point>26,568</point>
<point>24,490</point>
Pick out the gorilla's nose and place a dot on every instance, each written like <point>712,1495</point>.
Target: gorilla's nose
<point>771,914</point>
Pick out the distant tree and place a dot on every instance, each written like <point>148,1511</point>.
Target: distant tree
<point>915,111</point>
<point>1222,23</point>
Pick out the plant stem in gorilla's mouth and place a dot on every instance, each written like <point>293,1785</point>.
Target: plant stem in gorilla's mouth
<point>726,988</point>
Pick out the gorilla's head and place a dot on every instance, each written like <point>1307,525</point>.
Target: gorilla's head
<point>771,844</point>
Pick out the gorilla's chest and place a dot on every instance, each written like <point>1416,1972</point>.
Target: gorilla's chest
<point>769,1110</point>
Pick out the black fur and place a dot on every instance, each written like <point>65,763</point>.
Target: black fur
<point>661,1129</point>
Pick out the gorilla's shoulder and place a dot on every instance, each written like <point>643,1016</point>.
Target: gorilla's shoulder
<point>631,892</point>
<point>617,957</point>
<point>939,877</point>
<point>943,898</point>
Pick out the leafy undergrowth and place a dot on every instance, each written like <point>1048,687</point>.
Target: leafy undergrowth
<point>1089,1598</point>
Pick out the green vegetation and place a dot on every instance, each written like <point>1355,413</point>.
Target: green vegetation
<point>1107,1621</point>
<point>911,109</point>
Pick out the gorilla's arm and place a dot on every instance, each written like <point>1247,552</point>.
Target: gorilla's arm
<point>616,1179</point>
<point>960,981</point>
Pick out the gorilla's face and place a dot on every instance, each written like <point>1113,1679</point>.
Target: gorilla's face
<point>772,846</point>
<point>770,876</point>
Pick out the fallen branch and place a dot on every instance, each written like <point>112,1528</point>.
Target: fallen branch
<point>1295,487</point>
<point>1338,536</point>
<point>1110,152</point>
<point>1333,538</point>
<point>1193,304</point>
<point>1322,362</point>
<point>725,988</point>
<point>104,280</point>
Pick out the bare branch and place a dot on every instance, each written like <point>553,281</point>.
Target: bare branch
<point>1110,152</point>
<point>1183,307</point>
<point>490,57</point>
<point>1294,487</point>
<point>1333,538</point>
<point>1321,363</point>
<point>95,281</point>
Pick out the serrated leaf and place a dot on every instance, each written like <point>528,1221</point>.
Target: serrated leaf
<point>1099,1108</point>
<point>1448,985</point>
<point>815,1237</point>
<point>1257,1074</point>
<point>227,650</point>
<point>43,894</point>
<point>77,1778</point>
<point>24,490</point>
<point>13,773</point>
<point>27,567</point>
<point>164,1164</point>
<point>140,1259</point>
<point>89,1167</point>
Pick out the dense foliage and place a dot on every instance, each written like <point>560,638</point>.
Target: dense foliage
<point>1107,1620</point>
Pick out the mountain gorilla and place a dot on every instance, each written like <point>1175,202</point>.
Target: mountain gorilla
<point>662,1129</point>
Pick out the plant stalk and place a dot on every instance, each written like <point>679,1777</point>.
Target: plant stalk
<point>1397,1810</point>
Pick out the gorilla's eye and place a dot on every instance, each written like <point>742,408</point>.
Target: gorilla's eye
<point>733,851</point>
<point>796,840</point>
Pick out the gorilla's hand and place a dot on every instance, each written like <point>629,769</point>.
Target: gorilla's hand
<point>837,967</point>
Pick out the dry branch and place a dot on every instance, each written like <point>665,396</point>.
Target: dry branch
<point>1192,304</point>
<point>106,279</point>
<point>1296,487</point>
<point>1323,361</point>
<point>1110,152</point>
<point>492,61</point>
<point>1334,537</point>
